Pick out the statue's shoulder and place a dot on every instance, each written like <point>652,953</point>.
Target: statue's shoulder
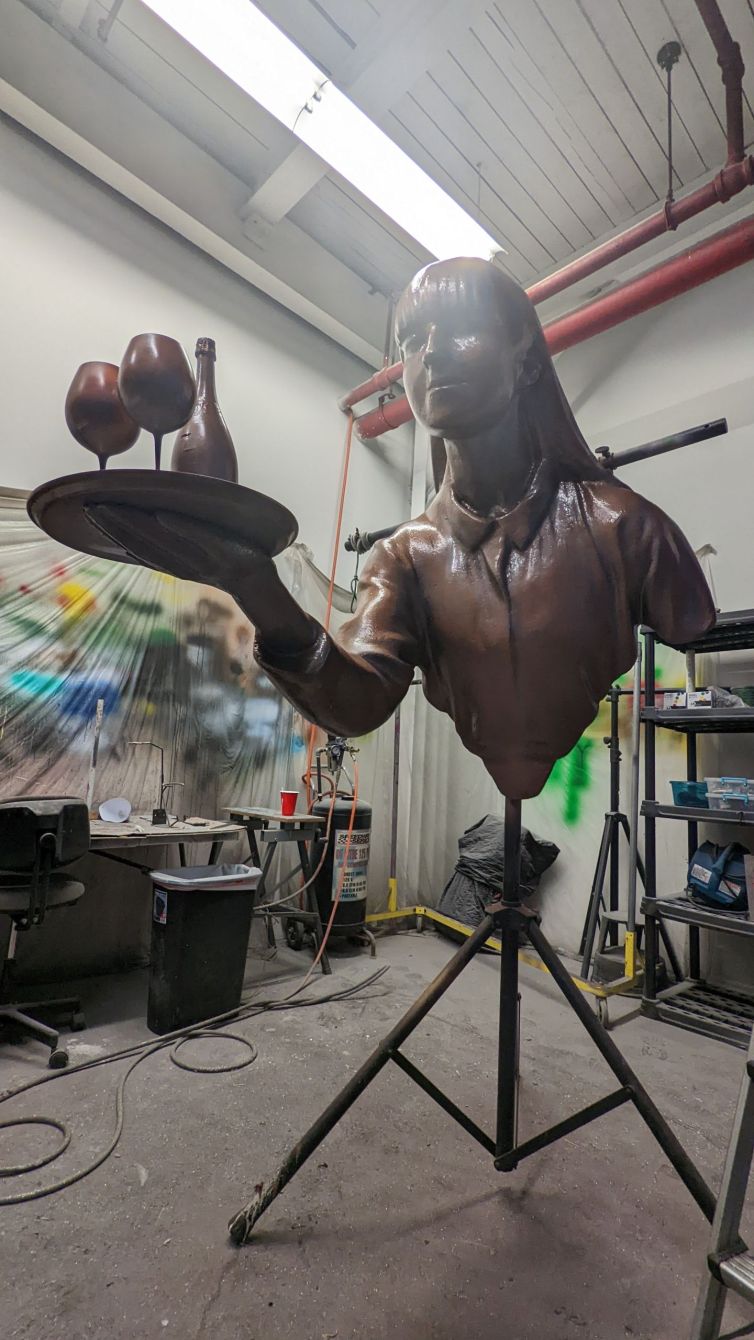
<point>409,540</point>
<point>614,503</point>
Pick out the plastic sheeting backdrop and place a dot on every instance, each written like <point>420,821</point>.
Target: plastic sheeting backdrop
<point>173,663</point>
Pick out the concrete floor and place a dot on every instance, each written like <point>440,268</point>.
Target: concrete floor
<point>399,1225</point>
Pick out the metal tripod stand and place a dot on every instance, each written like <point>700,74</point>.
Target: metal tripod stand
<point>508,918</point>
<point>607,918</point>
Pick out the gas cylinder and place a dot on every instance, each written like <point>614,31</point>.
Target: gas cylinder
<point>352,908</point>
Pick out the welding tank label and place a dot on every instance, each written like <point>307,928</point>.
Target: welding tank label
<point>355,881</point>
<point>160,907</point>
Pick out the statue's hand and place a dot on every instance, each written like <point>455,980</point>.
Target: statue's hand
<point>184,547</point>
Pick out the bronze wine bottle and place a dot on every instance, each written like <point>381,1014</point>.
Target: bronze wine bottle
<point>204,446</point>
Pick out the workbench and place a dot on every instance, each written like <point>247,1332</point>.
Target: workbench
<point>106,839</point>
<point>270,828</point>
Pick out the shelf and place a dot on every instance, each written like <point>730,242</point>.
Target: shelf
<point>696,814</point>
<point>733,631</point>
<point>699,1008</point>
<point>681,909</point>
<point>701,720</point>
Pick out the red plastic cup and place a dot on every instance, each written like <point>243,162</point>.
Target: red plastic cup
<point>288,802</point>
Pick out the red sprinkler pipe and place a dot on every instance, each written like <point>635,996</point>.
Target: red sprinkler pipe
<point>390,414</point>
<point>731,63</point>
<point>725,251</point>
<point>730,180</point>
<point>372,386</point>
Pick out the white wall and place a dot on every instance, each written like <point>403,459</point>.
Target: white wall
<point>684,363</point>
<point>82,271</point>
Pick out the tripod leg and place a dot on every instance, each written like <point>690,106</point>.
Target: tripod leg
<point>243,1222</point>
<point>595,897</point>
<point>668,1142</point>
<point>639,863</point>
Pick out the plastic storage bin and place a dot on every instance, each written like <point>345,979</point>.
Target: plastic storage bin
<point>690,794</point>
<point>201,918</point>
<point>730,793</point>
<point>732,800</point>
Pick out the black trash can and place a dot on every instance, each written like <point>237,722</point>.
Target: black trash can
<point>201,918</point>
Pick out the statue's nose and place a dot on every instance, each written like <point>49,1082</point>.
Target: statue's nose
<point>433,347</point>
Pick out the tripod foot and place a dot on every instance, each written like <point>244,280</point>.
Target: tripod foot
<point>242,1223</point>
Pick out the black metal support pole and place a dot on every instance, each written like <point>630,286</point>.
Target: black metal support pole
<point>650,730</point>
<point>701,433</point>
<point>651,951</point>
<point>692,772</point>
<point>507,1041</point>
<point>668,1142</point>
<point>615,758</point>
<point>651,945</point>
<point>242,1223</point>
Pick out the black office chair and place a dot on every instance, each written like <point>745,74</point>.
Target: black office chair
<point>38,835</point>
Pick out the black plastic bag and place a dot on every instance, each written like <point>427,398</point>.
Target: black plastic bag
<point>478,877</point>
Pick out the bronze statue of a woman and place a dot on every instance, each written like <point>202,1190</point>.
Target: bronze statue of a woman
<point>517,591</point>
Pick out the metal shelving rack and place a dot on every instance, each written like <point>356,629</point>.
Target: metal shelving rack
<point>693,1004</point>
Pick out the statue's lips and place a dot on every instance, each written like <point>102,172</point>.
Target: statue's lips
<point>444,386</point>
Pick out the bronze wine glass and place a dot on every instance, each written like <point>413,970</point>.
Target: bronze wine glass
<point>95,413</point>
<point>157,386</point>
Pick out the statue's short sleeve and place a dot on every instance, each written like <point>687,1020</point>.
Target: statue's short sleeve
<point>350,683</point>
<point>672,594</point>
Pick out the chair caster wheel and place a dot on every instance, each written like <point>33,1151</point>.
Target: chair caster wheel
<point>603,1013</point>
<point>294,935</point>
<point>58,1059</point>
<point>78,1022</point>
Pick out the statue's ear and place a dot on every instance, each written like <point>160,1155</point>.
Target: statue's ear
<point>531,368</point>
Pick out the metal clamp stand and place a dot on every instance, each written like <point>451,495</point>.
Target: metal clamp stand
<point>600,918</point>
<point>508,918</point>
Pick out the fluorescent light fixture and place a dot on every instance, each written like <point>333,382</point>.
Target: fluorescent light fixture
<point>248,48</point>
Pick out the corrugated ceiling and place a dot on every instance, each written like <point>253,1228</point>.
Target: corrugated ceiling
<point>548,118</point>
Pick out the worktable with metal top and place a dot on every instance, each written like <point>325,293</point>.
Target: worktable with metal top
<point>271,827</point>
<point>106,839</point>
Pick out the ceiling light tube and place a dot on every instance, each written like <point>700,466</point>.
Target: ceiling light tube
<point>248,48</point>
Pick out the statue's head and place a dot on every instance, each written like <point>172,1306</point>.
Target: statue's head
<point>470,341</point>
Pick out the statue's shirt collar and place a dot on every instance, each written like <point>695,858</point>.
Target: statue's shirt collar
<point>517,525</point>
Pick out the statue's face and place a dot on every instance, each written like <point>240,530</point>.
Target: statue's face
<point>461,365</point>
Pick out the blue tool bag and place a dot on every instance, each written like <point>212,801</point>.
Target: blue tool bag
<point>717,878</point>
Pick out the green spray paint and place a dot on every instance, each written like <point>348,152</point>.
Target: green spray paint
<point>571,779</point>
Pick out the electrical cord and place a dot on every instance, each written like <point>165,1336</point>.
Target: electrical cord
<point>140,1052</point>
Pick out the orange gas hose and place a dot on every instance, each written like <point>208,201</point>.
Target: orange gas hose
<point>331,590</point>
